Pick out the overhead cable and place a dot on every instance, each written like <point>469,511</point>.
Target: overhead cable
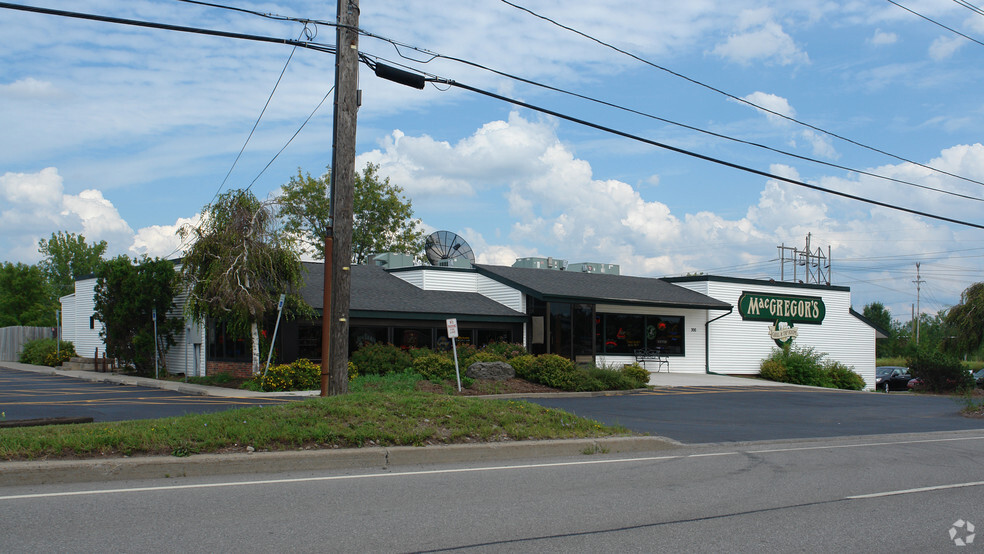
<point>304,33</point>
<point>435,55</point>
<point>934,22</point>
<point>152,25</point>
<point>740,99</point>
<point>709,158</point>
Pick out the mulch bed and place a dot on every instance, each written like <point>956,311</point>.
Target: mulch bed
<point>483,387</point>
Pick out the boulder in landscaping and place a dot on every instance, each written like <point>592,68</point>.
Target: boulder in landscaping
<point>490,371</point>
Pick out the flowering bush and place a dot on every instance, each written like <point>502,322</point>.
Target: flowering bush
<point>46,352</point>
<point>301,374</point>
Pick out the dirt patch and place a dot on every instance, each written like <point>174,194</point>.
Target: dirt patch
<point>484,387</point>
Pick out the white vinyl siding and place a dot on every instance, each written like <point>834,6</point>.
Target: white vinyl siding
<point>693,338</point>
<point>87,340</point>
<point>464,281</point>
<point>739,346</point>
<point>68,322</point>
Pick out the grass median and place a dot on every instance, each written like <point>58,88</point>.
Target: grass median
<point>378,412</point>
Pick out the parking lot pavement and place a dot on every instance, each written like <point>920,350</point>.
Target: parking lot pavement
<point>36,395</point>
<point>723,414</point>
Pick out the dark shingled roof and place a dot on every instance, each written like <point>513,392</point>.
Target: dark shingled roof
<point>574,286</point>
<point>375,290</point>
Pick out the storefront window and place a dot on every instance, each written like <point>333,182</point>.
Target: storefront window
<point>361,336</point>
<point>486,336</point>
<point>309,342</point>
<point>626,333</point>
<point>665,333</point>
<point>405,337</point>
<point>560,329</point>
<point>223,345</point>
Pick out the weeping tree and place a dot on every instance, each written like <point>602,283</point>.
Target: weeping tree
<point>238,265</point>
<point>965,322</point>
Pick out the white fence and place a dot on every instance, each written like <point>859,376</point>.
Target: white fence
<point>12,340</point>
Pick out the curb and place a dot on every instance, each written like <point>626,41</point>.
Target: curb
<point>202,465</point>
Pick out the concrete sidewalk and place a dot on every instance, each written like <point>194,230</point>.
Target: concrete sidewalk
<point>176,386</point>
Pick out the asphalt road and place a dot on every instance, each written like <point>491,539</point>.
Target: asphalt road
<point>25,395</point>
<point>901,494</point>
<point>735,414</point>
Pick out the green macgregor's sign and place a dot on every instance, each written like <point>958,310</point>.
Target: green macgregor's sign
<point>781,309</point>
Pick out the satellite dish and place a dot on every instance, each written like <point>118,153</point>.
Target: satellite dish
<point>444,248</point>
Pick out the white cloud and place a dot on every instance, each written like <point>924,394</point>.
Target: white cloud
<point>821,144</point>
<point>759,38</point>
<point>30,89</point>
<point>34,205</point>
<point>882,38</point>
<point>161,241</point>
<point>773,103</point>
<point>944,47</point>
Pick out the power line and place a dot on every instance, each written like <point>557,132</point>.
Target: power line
<point>435,55</point>
<point>737,98</point>
<point>180,28</point>
<point>708,158</point>
<point>304,32</point>
<point>970,6</point>
<point>934,22</point>
<point>316,108</point>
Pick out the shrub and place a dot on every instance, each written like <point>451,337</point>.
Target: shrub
<point>773,370</point>
<point>843,377</point>
<point>379,359</point>
<point>526,368</point>
<point>480,356</point>
<point>46,352</point>
<point>435,366</point>
<point>506,350</point>
<point>806,366</point>
<point>637,373</point>
<point>301,374</point>
<point>601,378</point>
<point>938,371</point>
<point>556,371</point>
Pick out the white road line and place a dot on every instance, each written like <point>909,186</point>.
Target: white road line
<point>336,478</point>
<point>500,468</point>
<point>912,491</point>
<point>861,445</point>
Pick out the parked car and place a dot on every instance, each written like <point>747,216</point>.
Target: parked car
<point>979,378</point>
<point>892,377</point>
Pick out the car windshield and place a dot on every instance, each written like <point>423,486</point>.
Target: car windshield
<point>883,371</point>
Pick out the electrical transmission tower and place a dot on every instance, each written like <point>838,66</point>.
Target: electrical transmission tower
<point>807,266</point>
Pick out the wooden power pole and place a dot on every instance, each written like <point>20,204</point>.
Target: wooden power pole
<point>338,242</point>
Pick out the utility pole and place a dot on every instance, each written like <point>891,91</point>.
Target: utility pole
<point>918,283</point>
<point>338,242</point>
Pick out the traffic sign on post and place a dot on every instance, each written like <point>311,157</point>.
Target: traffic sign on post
<point>453,334</point>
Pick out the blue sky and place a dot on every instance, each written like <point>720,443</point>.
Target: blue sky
<point>123,134</point>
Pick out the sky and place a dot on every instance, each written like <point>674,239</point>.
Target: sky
<point>124,134</point>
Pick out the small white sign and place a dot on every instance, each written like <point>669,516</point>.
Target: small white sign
<point>452,328</point>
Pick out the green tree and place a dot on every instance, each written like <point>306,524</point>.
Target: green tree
<point>383,216</point>
<point>66,258</point>
<point>25,297</point>
<point>965,322</point>
<point>126,296</point>
<point>239,264</point>
<point>880,316</point>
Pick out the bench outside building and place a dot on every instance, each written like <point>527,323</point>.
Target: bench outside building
<point>652,355</point>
